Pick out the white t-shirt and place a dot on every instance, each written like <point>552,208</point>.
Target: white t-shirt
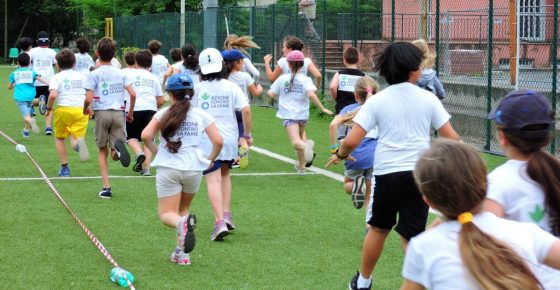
<point>147,88</point>
<point>70,87</point>
<point>114,62</point>
<point>195,77</point>
<point>42,61</point>
<point>159,66</point>
<point>294,104</point>
<point>221,99</point>
<point>190,155</point>
<point>521,198</point>
<point>403,114</point>
<point>83,63</point>
<point>285,66</point>
<point>243,80</point>
<point>433,259</point>
<point>128,72</point>
<point>108,85</point>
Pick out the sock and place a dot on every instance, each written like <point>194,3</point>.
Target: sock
<point>363,282</point>
<point>179,249</point>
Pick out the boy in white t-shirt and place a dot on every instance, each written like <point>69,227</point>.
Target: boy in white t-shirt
<point>105,89</point>
<point>84,62</point>
<point>404,114</point>
<point>149,97</point>
<point>160,64</point>
<point>67,90</point>
<point>42,62</point>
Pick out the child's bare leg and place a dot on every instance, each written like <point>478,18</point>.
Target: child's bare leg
<point>226,188</point>
<point>348,184</point>
<point>48,121</point>
<point>214,184</point>
<point>103,166</point>
<point>294,134</point>
<point>149,155</point>
<point>26,120</point>
<point>135,145</point>
<point>61,150</point>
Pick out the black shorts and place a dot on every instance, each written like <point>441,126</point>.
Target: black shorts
<point>141,120</point>
<point>396,193</point>
<point>42,90</point>
<point>218,165</point>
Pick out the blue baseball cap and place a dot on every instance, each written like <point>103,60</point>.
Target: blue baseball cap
<point>520,109</point>
<point>179,82</point>
<point>232,55</point>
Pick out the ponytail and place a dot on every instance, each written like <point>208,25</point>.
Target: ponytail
<point>295,66</point>
<point>493,264</point>
<point>173,119</point>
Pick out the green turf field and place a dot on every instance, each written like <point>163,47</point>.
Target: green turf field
<point>294,232</point>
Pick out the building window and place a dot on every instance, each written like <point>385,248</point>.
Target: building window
<point>532,19</point>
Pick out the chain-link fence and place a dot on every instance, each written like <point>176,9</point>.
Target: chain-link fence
<point>474,41</point>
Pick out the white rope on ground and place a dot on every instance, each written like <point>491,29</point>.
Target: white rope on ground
<point>88,232</point>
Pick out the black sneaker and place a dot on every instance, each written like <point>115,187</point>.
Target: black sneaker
<point>105,193</point>
<point>42,104</point>
<point>353,284</point>
<point>139,160</point>
<point>359,191</point>
<point>122,153</point>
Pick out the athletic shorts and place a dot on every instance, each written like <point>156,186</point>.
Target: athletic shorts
<point>239,123</point>
<point>109,126</point>
<point>170,182</point>
<point>353,173</point>
<point>70,121</point>
<point>141,120</point>
<point>218,165</point>
<point>25,108</point>
<point>396,193</point>
<point>42,90</point>
<point>288,122</point>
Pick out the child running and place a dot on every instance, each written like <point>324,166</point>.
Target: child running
<point>23,80</point>
<point>472,249</point>
<point>403,113</point>
<point>43,61</point>
<point>67,90</point>
<point>189,65</point>
<point>241,43</point>
<point>358,173</point>
<point>149,97</point>
<point>293,92</point>
<point>221,98</point>
<point>343,81</point>
<point>234,60</point>
<point>105,89</point>
<point>84,62</point>
<point>180,161</point>
<point>160,64</point>
<point>428,78</point>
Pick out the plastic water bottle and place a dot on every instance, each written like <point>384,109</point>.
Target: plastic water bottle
<point>118,276</point>
<point>20,148</point>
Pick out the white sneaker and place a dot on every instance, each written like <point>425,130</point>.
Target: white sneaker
<point>34,126</point>
<point>81,147</point>
<point>181,258</point>
<point>300,171</point>
<point>308,152</point>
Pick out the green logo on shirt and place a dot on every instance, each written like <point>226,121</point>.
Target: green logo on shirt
<point>104,85</point>
<point>537,214</point>
<point>66,81</point>
<point>205,96</point>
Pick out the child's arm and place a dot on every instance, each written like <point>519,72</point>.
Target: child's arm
<point>167,74</point>
<point>333,128</point>
<point>352,140</point>
<point>132,101</point>
<point>493,207</point>
<point>272,94</point>
<point>251,69</point>
<point>271,75</point>
<point>11,86</point>
<point>247,124</point>
<point>148,135</point>
<point>317,103</point>
<point>160,101</point>
<point>255,90</point>
<point>312,68</point>
<point>217,141</point>
<point>52,98</point>
<point>440,91</point>
<point>43,80</point>
<point>553,257</point>
<point>447,131</point>
<point>334,86</point>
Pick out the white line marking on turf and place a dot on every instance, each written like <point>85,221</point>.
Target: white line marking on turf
<point>133,177</point>
<point>318,170</point>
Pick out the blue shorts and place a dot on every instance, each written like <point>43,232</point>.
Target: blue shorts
<point>218,165</point>
<point>288,122</point>
<point>25,108</point>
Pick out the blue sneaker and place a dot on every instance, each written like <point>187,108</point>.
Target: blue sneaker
<point>25,133</point>
<point>48,131</point>
<point>64,171</point>
<point>105,193</point>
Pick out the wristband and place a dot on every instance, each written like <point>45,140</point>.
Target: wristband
<point>333,148</point>
<point>340,157</point>
<point>49,109</point>
<point>247,136</point>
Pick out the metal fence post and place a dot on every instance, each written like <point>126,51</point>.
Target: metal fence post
<point>392,20</point>
<point>354,26</point>
<point>324,44</point>
<point>489,89</point>
<point>554,55</point>
<point>273,32</point>
<point>437,37</point>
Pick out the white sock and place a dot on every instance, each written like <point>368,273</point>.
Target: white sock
<point>363,282</point>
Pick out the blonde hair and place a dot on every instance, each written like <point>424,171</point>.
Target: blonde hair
<point>365,87</point>
<point>233,41</point>
<point>452,176</point>
<point>429,58</point>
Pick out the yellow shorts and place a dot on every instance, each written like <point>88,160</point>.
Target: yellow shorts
<point>70,121</point>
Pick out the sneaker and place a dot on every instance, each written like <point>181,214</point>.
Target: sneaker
<point>235,163</point>
<point>48,131</point>
<point>181,258</point>
<point>140,158</point>
<point>308,153</point>
<point>64,171</point>
<point>42,104</point>
<point>34,126</point>
<point>243,157</point>
<point>219,232</point>
<point>353,284</point>
<point>300,171</point>
<point>82,150</point>
<point>105,193</point>
<point>25,133</point>
<point>228,219</point>
<point>122,153</point>
<point>185,232</point>
<point>359,191</point>
<point>146,172</point>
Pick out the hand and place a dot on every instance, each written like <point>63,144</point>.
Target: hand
<point>249,141</point>
<point>87,111</point>
<point>129,117</point>
<point>334,160</point>
<point>48,113</point>
<point>267,58</point>
<point>327,111</point>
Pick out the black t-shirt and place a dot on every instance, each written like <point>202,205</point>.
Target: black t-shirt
<point>345,92</point>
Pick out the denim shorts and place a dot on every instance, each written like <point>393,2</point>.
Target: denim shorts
<point>25,108</point>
